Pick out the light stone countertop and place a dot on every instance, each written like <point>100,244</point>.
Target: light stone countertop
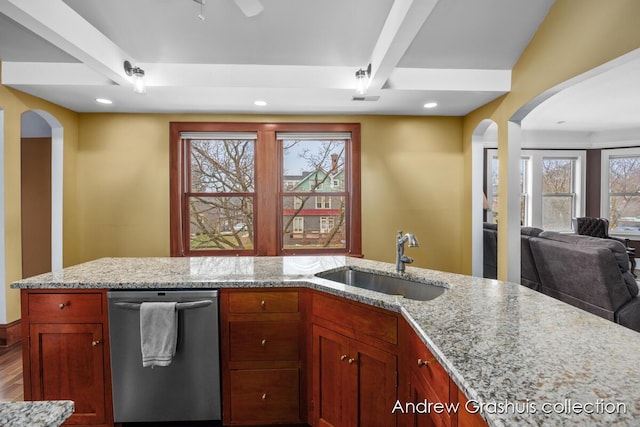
<point>528,358</point>
<point>47,413</point>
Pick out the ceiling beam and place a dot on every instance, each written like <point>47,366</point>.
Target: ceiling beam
<point>447,79</point>
<point>405,19</point>
<point>259,76</point>
<point>61,26</point>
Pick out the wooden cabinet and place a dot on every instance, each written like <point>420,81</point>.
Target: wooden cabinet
<point>467,418</point>
<point>66,353</point>
<point>262,337</point>
<point>430,388</point>
<point>355,364</point>
<point>435,400</point>
<point>289,356</point>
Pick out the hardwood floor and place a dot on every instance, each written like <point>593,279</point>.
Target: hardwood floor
<point>11,375</point>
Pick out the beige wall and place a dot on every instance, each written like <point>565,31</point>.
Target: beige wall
<point>14,103</point>
<point>576,36</point>
<point>411,180</point>
<point>416,170</point>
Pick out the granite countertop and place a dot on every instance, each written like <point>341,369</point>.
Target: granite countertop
<point>528,359</point>
<point>47,413</point>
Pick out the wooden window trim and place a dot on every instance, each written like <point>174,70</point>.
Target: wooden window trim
<point>267,207</point>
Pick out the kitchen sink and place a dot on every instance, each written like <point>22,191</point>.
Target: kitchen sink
<point>391,285</point>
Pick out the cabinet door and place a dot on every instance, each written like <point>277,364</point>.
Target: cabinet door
<point>67,364</point>
<point>374,373</point>
<point>466,418</point>
<point>329,360</point>
<point>418,415</point>
<point>265,396</point>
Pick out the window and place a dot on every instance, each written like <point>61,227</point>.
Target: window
<point>621,189</point>
<point>525,184</point>
<point>323,202</point>
<point>558,193</point>
<point>326,224</point>
<point>552,183</point>
<point>318,160</point>
<point>298,224</point>
<point>264,189</point>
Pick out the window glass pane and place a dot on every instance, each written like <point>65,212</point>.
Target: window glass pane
<point>493,192</point>
<point>557,211</point>
<point>624,193</point>
<point>222,166</point>
<point>557,175</point>
<point>524,188</point>
<point>525,177</point>
<point>310,227</point>
<point>221,223</point>
<point>625,213</point>
<point>313,165</point>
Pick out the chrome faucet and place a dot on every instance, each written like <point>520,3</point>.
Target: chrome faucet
<point>401,258</point>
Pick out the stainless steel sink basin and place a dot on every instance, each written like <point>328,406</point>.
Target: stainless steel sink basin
<point>390,285</point>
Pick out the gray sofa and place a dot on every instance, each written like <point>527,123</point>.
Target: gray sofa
<point>587,272</point>
<point>528,273</point>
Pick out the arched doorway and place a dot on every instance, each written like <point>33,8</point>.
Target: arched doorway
<point>41,166</point>
<point>484,135</point>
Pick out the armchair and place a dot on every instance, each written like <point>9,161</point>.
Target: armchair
<point>599,227</point>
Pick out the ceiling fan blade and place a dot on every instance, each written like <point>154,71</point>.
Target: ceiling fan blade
<point>250,7</point>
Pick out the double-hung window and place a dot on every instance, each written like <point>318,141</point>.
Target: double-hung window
<point>621,189</point>
<point>552,185</point>
<point>559,194</point>
<point>264,188</point>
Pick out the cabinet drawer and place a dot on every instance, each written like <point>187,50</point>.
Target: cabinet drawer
<point>264,340</point>
<point>429,370</point>
<point>261,396</point>
<point>263,302</point>
<point>357,318</point>
<point>65,307</point>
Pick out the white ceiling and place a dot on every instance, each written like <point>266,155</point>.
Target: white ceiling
<point>298,55</point>
<point>597,109</point>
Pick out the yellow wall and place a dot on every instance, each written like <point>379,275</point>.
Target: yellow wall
<point>14,103</point>
<point>411,180</point>
<point>416,170</point>
<point>576,36</point>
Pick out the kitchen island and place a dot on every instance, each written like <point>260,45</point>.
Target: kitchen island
<point>35,414</point>
<point>525,358</point>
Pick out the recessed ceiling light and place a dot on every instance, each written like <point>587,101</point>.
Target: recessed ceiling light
<point>260,103</point>
<point>104,101</point>
<point>430,105</point>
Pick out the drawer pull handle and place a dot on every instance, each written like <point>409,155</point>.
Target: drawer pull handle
<point>95,343</point>
<point>63,305</point>
<point>263,304</point>
<point>343,357</point>
<point>263,343</point>
<point>352,361</point>
<point>422,363</point>
<point>264,396</point>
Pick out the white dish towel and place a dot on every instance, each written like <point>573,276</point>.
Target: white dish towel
<point>158,333</point>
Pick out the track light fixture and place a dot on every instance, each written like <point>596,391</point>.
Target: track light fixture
<point>362,79</point>
<point>138,77</point>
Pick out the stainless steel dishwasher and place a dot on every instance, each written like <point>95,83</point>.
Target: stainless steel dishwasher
<point>186,390</point>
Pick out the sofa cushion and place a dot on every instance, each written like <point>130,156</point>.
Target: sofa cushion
<point>617,248</point>
<point>490,250</point>
<point>531,231</point>
<point>585,277</point>
<point>528,272</point>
